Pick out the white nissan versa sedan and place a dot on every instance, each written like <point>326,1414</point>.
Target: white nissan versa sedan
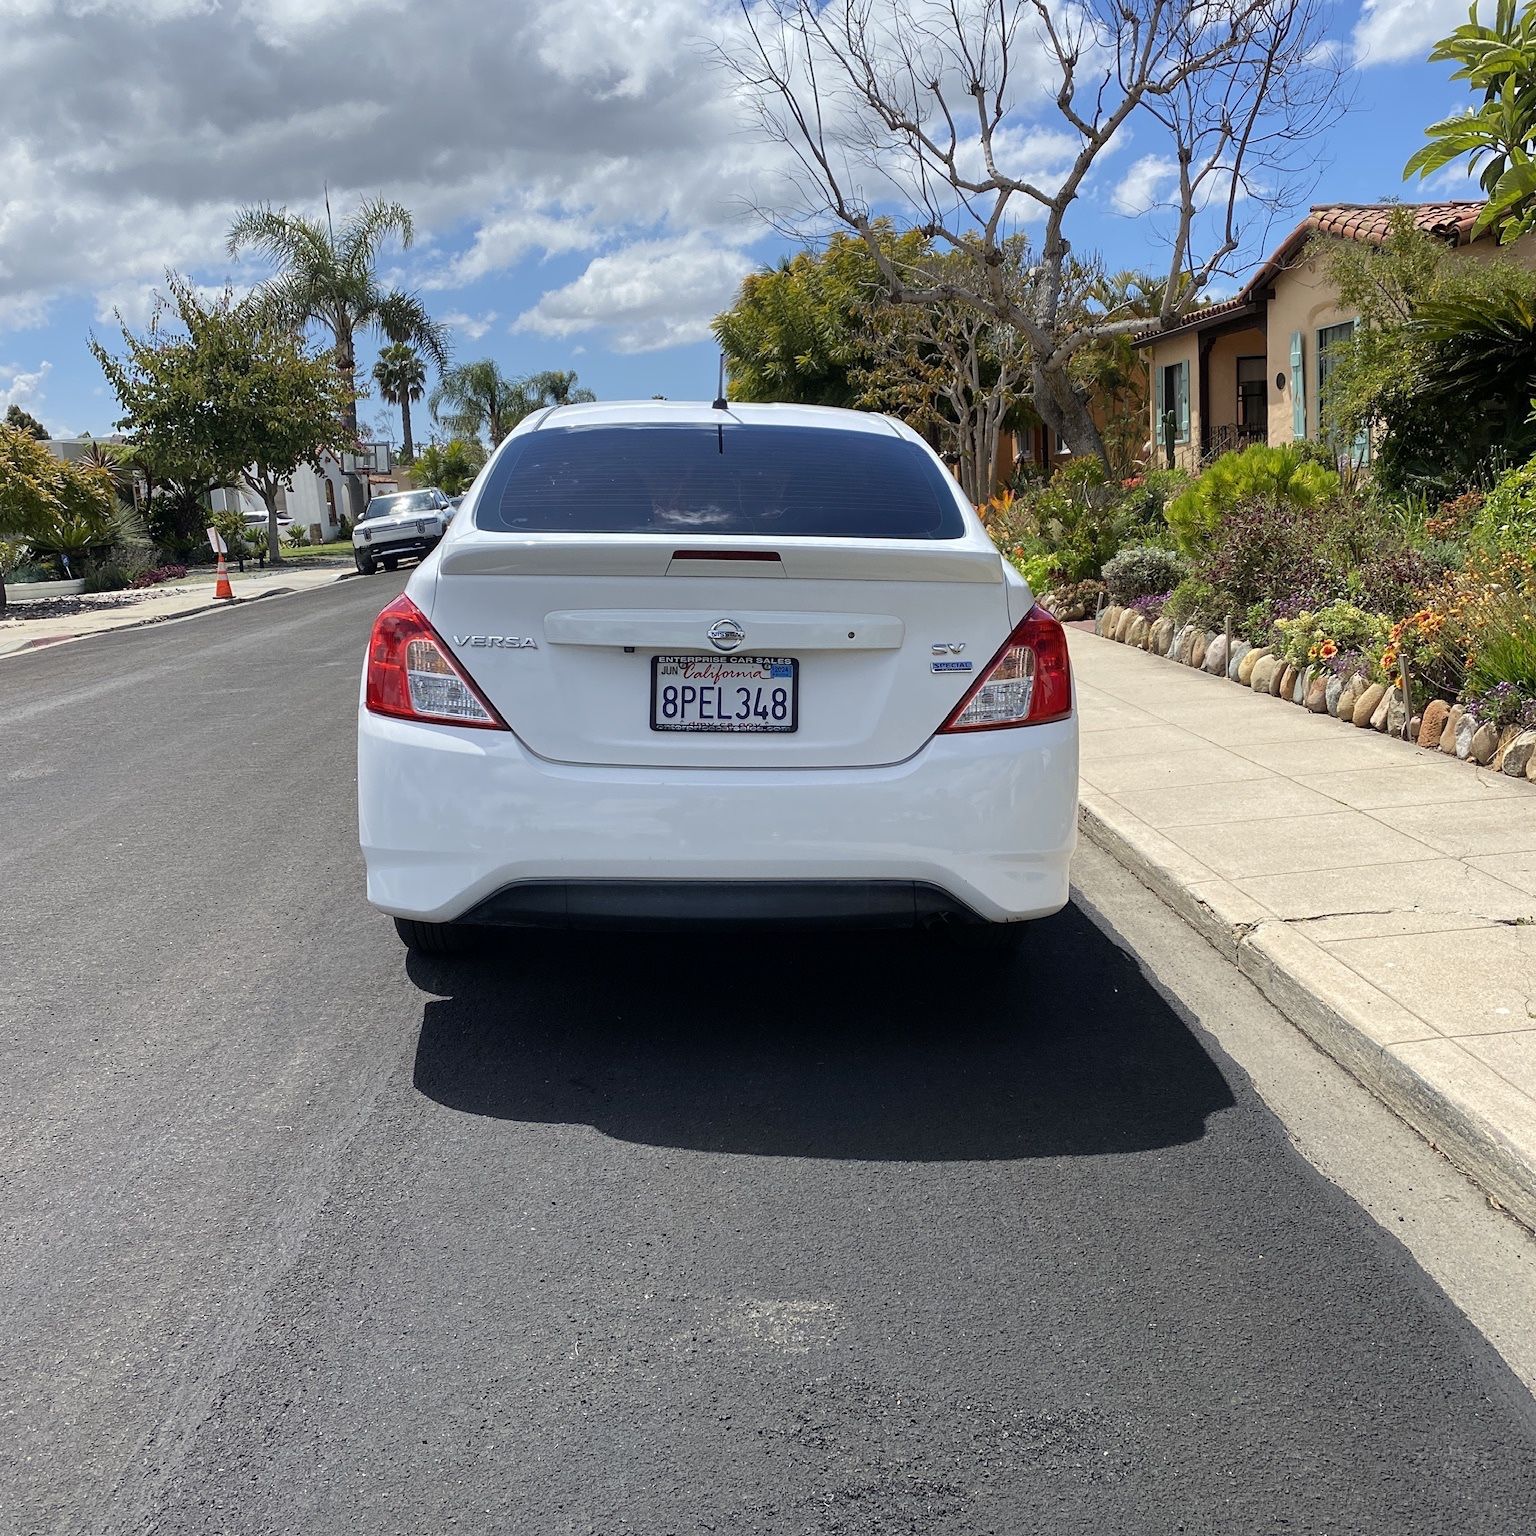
<point>687,665</point>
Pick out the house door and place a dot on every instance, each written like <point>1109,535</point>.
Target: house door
<point>1252,400</point>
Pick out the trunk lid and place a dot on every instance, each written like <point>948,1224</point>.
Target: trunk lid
<point>887,636</point>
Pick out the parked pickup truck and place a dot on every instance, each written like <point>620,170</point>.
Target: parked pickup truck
<point>407,523</point>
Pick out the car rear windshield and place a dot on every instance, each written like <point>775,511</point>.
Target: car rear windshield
<point>727,479</point>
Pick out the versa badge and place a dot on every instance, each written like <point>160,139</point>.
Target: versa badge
<point>496,642</point>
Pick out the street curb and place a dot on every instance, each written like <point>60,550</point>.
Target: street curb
<point>214,605</point>
<point>1338,1010</point>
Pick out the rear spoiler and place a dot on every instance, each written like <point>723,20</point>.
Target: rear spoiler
<point>956,560</point>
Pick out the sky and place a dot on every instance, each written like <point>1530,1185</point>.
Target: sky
<point>582,178</point>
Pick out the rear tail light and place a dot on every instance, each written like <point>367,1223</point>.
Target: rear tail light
<point>412,676</point>
<point>1028,682</point>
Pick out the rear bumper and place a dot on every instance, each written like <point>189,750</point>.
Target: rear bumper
<point>652,905</point>
<point>460,824</point>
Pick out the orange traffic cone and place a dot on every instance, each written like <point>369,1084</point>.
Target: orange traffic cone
<point>221,586</point>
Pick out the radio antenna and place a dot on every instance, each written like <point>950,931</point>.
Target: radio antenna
<point>720,400</point>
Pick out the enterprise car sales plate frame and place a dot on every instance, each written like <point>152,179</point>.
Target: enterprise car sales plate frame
<point>759,695</point>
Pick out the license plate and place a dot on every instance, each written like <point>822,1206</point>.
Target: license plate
<point>725,693</point>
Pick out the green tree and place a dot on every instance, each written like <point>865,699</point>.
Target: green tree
<point>328,276</point>
<point>798,331</point>
<point>478,397</point>
<point>401,378</point>
<point>227,394</point>
<point>917,103</point>
<point>450,466</point>
<point>1499,133</point>
<point>556,387</point>
<point>25,421</point>
<point>49,503</point>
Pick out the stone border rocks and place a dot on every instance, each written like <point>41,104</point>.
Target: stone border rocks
<point>1355,700</point>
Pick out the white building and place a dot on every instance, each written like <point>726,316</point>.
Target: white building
<point>321,498</point>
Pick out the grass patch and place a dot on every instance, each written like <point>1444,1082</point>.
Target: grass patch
<point>340,547</point>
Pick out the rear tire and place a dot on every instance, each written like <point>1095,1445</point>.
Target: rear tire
<point>364,563</point>
<point>434,939</point>
<point>391,562</point>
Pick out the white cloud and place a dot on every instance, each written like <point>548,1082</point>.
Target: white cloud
<point>1390,31</point>
<point>472,326</point>
<point>134,303</point>
<point>22,388</point>
<point>1138,189</point>
<point>562,126</point>
<point>649,295</point>
<point>1455,181</point>
<point>508,236</point>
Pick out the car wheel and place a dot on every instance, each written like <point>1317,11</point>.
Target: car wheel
<point>432,938</point>
<point>364,563</point>
<point>391,562</point>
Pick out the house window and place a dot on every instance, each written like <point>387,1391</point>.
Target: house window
<point>330,499</point>
<point>1253,393</point>
<point>1329,338</point>
<point>1172,395</point>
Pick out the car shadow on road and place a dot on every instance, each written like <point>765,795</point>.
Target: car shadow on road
<point>875,1047</point>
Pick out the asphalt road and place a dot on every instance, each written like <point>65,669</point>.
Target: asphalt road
<point>298,1237</point>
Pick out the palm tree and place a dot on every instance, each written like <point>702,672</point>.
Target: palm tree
<point>401,377</point>
<point>328,276</point>
<point>476,397</point>
<point>558,388</point>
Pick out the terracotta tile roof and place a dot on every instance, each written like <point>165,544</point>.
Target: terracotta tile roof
<point>1372,222</point>
<point>1199,319</point>
<point>1451,222</point>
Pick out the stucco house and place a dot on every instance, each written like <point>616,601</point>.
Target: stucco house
<point>1251,370</point>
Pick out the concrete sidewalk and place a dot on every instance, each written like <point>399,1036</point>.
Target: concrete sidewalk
<point>124,610</point>
<point>1383,897</point>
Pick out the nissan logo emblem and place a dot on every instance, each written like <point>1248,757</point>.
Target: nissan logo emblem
<point>725,634</point>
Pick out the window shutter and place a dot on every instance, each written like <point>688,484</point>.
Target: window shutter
<point>1183,406</point>
<point>1298,389</point>
<point>1158,408</point>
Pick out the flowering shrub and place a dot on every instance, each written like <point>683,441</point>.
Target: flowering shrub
<point>1340,629</point>
<point>1505,524</point>
<point>1503,704</point>
<point>1140,570</point>
<point>1196,599</point>
<point>1262,551</point>
<point>1501,659</point>
<point>156,574</point>
<point>1477,626</point>
<point>1075,521</point>
<point>1455,518</point>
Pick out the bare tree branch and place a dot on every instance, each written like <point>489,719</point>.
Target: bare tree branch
<point>966,118</point>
